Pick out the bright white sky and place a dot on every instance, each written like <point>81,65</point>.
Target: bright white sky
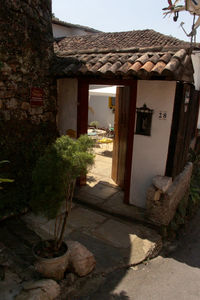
<point>123,15</point>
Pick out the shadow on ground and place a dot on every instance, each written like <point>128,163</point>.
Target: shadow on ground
<point>112,276</point>
<point>188,245</point>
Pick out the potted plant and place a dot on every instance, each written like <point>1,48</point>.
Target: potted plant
<point>94,124</point>
<point>54,180</point>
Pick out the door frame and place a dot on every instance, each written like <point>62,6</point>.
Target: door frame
<point>82,118</point>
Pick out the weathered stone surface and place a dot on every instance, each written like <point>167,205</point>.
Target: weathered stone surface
<point>26,51</point>
<point>49,286</point>
<point>81,218</point>
<point>137,241</point>
<point>12,103</point>
<point>36,294</point>
<point>81,260</point>
<point>6,115</point>
<point>157,195</point>
<point>10,286</point>
<point>162,183</point>
<point>25,106</point>
<point>46,289</point>
<point>36,110</point>
<point>161,212</point>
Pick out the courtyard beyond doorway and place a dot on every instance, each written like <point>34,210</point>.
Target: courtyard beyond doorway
<point>101,192</point>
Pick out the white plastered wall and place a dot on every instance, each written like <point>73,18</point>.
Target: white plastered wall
<point>67,104</point>
<point>150,152</point>
<point>61,31</point>
<point>99,111</point>
<point>196,65</point>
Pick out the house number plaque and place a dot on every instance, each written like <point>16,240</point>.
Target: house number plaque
<point>162,115</point>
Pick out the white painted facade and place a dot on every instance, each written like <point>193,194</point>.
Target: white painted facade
<point>150,152</point>
<point>196,65</point>
<point>64,31</point>
<point>67,105</point>
<point>98,106</point>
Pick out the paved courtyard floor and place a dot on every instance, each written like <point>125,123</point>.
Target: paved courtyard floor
<point>102,193</point>
<point>114,242</point>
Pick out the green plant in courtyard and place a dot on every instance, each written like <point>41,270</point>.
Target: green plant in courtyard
<point>54,179</point>
<point>21,143</point>
<point>190,203</point>
<point>4,180</point>
<point>195,180</point>
<point>94,124</point>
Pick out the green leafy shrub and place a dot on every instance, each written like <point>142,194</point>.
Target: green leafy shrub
<point>22,143</point>
<point>189,205</point>
<point>194,196</point>
<point>3,180</point>
<point>94,124</point>
<point>54,179</point>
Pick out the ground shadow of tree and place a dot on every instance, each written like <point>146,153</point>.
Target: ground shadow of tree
<point>187,247</point>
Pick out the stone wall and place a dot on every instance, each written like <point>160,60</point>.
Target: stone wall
<point>162,204</point>
<point>25,57</point>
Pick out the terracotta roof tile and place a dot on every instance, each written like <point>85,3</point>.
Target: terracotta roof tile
<point>70,25</point>
<point>119,40</point>
<point>143,54</point>
<point>141,65</point>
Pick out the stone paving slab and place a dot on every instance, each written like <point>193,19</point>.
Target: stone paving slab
<point>81,194</point>
<point>114,243</point>
<point>85,218</point>
<point>100,190</point>
<point>140,242</point>
<point>16,258</point>
<point>80,219</point>
<point>132,242</point>
<point>115,205</point>
<point>107,256</point>
<point>111,204</point>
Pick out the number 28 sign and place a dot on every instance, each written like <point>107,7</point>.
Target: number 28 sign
<point>162,115</point>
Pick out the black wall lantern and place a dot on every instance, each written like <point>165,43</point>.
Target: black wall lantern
<point>144,119</point>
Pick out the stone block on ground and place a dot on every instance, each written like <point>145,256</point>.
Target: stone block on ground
<point>10,285</point>
<point>107,256</point>
<point>161,212</point>
<point>81,260</point>
<point>162,183</point>
<point>46,289</point>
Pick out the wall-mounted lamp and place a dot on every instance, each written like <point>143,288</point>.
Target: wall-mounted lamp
<point>144,120</point>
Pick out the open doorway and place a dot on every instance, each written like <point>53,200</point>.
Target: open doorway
<point>121,104</point>
<point>101,123</point>
<point>125,108</point>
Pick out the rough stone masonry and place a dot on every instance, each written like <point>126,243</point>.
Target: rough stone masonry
<point>26,51</point>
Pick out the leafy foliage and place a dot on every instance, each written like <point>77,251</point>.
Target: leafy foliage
<point>54,179</point>
<point>195,180</point>
<point>188,205</point>
<point>62,163</point>
<point>3,180</point>
<point>22,143</point>
<point>94,124</point>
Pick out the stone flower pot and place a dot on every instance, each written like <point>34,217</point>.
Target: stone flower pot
<point>52,267</point>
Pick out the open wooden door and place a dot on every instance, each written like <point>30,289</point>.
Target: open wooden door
<point>122,113</point>
<point>184,124</point>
